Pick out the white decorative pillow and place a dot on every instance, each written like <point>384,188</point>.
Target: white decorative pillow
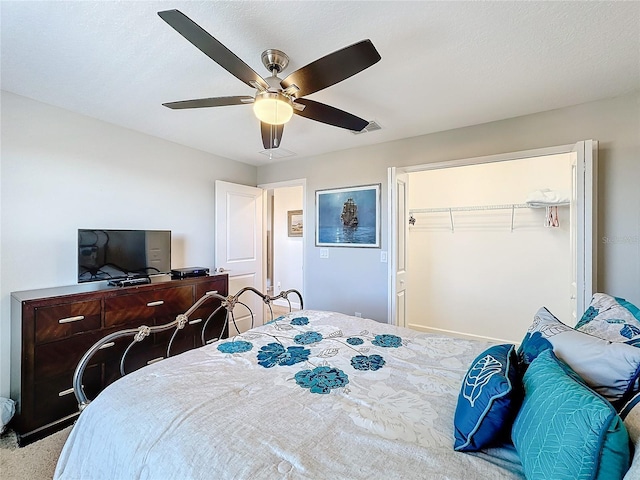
<point>7,409</point>
<point>609,368</point>
<point>611,318</point>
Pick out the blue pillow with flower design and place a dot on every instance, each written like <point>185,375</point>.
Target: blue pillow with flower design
<point>489,399</point>
<point>611,318</point>
<point>532,345</point>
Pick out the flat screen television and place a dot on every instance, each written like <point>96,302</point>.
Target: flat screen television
<point>122,254</point>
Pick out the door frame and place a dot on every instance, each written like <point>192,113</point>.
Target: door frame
<point>587,163</point>
<point>272,186</point>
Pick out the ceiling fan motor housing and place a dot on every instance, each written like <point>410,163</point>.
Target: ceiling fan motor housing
<point>275,60</point>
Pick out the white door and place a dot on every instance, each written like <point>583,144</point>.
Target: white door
<point>238,248</point>
<point>399,225</point>
<point>586,248</point>
<point>573,242</point>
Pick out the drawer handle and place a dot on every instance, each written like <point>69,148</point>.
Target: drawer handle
<point>212,291</point>
<point>66,392</point>
<point>155,304</point>
<point>194,321</point>
<point>155,360</point>
<point>71,319</point>
<point>107,345</point>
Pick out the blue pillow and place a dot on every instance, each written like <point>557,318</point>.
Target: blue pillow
<point>609,368</point>
<point>489,399</point>
<point>531,346</point>
<point>564,430</point>
<point>611,318</point>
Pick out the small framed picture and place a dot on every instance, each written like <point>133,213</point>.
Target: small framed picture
<point>348,217</point>
<point>294,223</point>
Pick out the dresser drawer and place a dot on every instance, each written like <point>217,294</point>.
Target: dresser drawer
<point>140,355</point>
<point>184,339</point>
<point>215,325</point>
<point>56,398</point>
<point>216,284</point>
<point>141,307</point>
<point>60,321</point>
<point>59,358</point>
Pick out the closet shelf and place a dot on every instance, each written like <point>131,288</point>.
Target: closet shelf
<point>450,210</point>
<point>509,206</point>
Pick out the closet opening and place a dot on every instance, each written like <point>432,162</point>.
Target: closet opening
<point>481,245</point>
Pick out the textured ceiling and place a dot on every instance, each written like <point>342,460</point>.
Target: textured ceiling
<point>444,64</point>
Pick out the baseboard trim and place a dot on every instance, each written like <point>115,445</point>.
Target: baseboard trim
<point>454,333</point>
<point>283,303</point>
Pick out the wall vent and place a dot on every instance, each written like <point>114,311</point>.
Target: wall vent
<point>372,127</point>
<point>277,153</point>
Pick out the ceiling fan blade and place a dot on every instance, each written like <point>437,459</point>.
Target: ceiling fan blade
<point>271,135</point>
<point>211,47</point>
<point>330,115</point>
<point>209,102</point>
<point>332,68</point>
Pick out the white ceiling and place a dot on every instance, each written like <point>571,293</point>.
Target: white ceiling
<point>444,64</point>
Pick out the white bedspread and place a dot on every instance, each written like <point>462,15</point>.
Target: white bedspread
<point>214,415</point>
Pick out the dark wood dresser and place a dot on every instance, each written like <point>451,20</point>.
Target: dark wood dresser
<point>53,328</point>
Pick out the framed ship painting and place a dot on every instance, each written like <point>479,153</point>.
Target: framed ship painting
<point>348,217</point>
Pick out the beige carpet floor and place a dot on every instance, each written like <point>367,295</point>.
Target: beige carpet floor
<point>36,461</point>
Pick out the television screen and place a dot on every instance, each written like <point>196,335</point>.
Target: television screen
<point>118,254</point>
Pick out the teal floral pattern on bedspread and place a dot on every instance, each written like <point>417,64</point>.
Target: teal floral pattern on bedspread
<point>300,321</point>
<point>275,354</point>
<point>322,377</point>
<point>387,341</point>
<point>373,386</point>
<point>364,362</point>
<point>238,346</point>
<point>307,338</point>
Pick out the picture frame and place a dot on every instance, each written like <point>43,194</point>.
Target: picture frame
<point>294,223</point>
<point>348,217</point>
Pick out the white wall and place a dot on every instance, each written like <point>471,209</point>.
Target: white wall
<point>482,279</point>
<point>52,159</point>
<point>288,251</point>
<point>354,279</point>
<point>62,171</point>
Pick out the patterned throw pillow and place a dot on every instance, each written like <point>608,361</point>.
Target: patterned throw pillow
<point>489,399</point>
<point>610,368</point>
<point>564,430</point>
<point>611,318</point>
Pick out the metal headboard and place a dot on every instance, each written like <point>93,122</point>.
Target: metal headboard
<point>143,331</point>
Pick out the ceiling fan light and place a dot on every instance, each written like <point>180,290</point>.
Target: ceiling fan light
<point>273,108</point>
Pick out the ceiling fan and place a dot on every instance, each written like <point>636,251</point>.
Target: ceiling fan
<point>276,99</point>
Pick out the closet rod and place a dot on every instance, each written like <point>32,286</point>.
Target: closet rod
<point>509,206</point>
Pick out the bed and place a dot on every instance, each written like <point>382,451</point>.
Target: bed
<point>309,395</point>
